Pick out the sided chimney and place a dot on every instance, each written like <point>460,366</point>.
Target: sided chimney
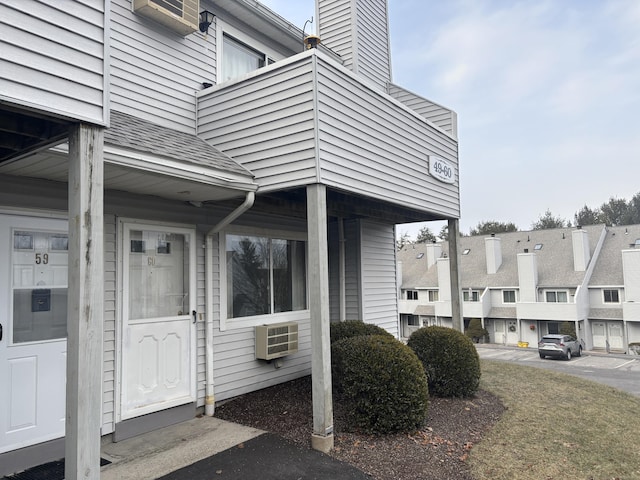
<point>527,276</point>
<point>493,250</point>
<point>581,255</point>
<point>434,252</point>
<point>358,31</point>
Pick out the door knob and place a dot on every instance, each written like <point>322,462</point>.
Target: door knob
<point>194,313</point>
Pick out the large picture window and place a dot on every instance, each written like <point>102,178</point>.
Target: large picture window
<point>265,275</point>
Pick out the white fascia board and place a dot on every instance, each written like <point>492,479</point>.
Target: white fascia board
<point>173,168</point>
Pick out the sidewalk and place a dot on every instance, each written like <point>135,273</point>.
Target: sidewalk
<point>160,452</point>
<point>208,448</point>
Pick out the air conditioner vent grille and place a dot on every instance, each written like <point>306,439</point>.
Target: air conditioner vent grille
<point>276,340</point>
<point>181,16</point>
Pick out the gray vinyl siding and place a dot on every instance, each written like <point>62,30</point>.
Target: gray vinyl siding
<point>53,56</point>
<point>307,115</point>
<point>373,57</point>
<point>109,340</point>
<point>352,283</point>
<point>370,145</point>
<point>378,266</point>
<point>438,115</point>
<point>154,71</point>
<point>336,28</point>
<point>266,123</point>
<point>236,371</point>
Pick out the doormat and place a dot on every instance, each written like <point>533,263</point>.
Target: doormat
<point>46,471</point>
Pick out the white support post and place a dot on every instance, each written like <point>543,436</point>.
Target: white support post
<point>454,271</point>
<point>85,303</point>
<point>322,438</point>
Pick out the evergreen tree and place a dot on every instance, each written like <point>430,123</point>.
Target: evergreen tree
<point>548,220</point>
<point>493,226</point>
<point>425,236</point>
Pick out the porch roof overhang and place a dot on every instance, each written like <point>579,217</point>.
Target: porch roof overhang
<point>144,158</point>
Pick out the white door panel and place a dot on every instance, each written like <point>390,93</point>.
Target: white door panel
<point>33,297</point>
<point>158,349</point>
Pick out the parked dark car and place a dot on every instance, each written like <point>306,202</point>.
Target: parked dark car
<point>563,346</point>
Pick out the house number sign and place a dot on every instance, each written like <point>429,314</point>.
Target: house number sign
<point>441,169</point>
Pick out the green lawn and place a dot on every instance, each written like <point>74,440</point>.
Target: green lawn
<point>557,427</point>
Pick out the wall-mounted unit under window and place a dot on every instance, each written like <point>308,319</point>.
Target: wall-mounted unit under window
<point>276,340</point>
<point>181,16</point>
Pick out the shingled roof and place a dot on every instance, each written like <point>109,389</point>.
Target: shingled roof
<point>555,259</point>
<point>129,132</point>
<point>608,270</point>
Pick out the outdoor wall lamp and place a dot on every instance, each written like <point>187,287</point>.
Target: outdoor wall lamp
<point>206,19</point>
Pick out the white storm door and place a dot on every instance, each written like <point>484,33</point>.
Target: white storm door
<point>615,335</point>
<point>512,332</point>
<point>599,334</point>
<point>33,317</point>
<point>158,319</point>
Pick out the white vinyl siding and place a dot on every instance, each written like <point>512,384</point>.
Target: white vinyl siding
<point>336,28</point>
<point>53,56</point>
<point>378,266</point>
<point>355,138</point>
<point>438,115</point>
<point>154,71</point>
<point>373,56</point>
<point>358,32</point>
<point>109,353</point>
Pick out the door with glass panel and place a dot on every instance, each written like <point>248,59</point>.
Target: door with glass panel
<point>33,330</point>
<point>158,319</point>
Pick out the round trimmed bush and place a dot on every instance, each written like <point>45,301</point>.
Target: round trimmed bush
<point>450,361</point>
<point>354,328</point>
<point>381,384</point>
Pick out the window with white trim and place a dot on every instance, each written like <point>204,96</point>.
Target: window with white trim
<point>508,296</point>
<point>611,295</point>
<point>239,54</point>
<point>264,275</point>
<point>556,296</point>
<point>471,296</point>
<point>412,295</point>
<point>433,295</point>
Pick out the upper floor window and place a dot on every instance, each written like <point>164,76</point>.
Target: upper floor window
<point>412,295</point>
<point>611,296</point>
<point>239,54</point>
<point>433,295</point>
<point>508,296</point>
<point>471,296</point>
<point>556,296</point>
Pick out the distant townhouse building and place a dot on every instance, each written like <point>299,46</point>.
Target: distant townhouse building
<point>522,285</point>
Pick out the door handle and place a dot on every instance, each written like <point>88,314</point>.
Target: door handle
<point>194,313</point>
<point>0,332</point>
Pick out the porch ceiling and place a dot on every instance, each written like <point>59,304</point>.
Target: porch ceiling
<point>21,133</point>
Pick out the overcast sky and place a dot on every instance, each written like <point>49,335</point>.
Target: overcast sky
<point>547,94</point>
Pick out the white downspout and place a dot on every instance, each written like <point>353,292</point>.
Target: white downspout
<point>209,402</point>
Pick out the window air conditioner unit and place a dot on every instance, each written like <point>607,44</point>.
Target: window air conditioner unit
<point>181,16</point>
<point>276,340</point>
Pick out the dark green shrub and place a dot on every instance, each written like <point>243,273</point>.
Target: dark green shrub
<point>450,361</point>
<point>475,331</point>
<point>568,328</point>
<point>354,328</point>
<point>381,384</point>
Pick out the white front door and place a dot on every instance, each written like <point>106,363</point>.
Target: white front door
<point>599,332</point>
<point>615,335</point>
<point>33,318</point>
<point>512,332</point>
<point>158,318</point>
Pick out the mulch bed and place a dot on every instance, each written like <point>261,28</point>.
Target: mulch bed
<point>439,450</point>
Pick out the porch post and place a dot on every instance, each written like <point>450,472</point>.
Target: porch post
<point>322,438</point>
<point>454,273</point>
<point>85,303</point>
